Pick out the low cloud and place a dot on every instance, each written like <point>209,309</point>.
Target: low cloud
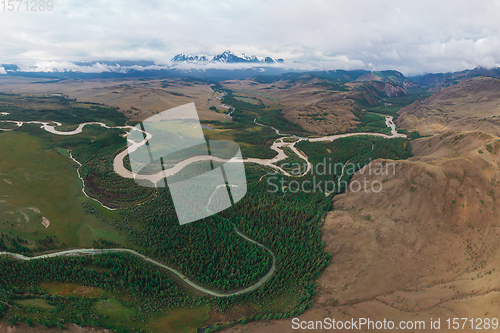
<point>459,54</point>
<point>65,66</point>
<point>327,63</point>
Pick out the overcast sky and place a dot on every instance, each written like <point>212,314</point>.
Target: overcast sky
<point>410,36</point>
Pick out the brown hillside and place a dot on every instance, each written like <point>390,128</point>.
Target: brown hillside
<point>314,104</point>
<point>470,105</point>
<point>423,247</point>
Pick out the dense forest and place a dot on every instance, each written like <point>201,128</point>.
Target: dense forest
<point>357,151</point>
<point>372,122</point>
<point>117,273</point>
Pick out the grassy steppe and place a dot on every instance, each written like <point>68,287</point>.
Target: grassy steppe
<point>38,182</point>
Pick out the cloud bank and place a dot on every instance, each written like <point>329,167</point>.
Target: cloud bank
<point>413,37</point>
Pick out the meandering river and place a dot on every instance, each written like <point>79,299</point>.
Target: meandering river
<point>120,169</point>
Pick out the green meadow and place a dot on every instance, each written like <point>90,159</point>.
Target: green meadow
<point>180,320</point>
<point>40,184</point>
<point>248,99</point>
<point>254,140</point>
<point>36,303</point>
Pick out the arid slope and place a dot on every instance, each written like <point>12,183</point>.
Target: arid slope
<point>472,105</point>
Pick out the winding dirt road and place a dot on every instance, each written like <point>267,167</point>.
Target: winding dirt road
<point>74,252</point>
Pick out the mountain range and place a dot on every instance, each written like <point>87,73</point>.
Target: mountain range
<point>225,57</point>
<point>205,67</point>
<point>440,80</point>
